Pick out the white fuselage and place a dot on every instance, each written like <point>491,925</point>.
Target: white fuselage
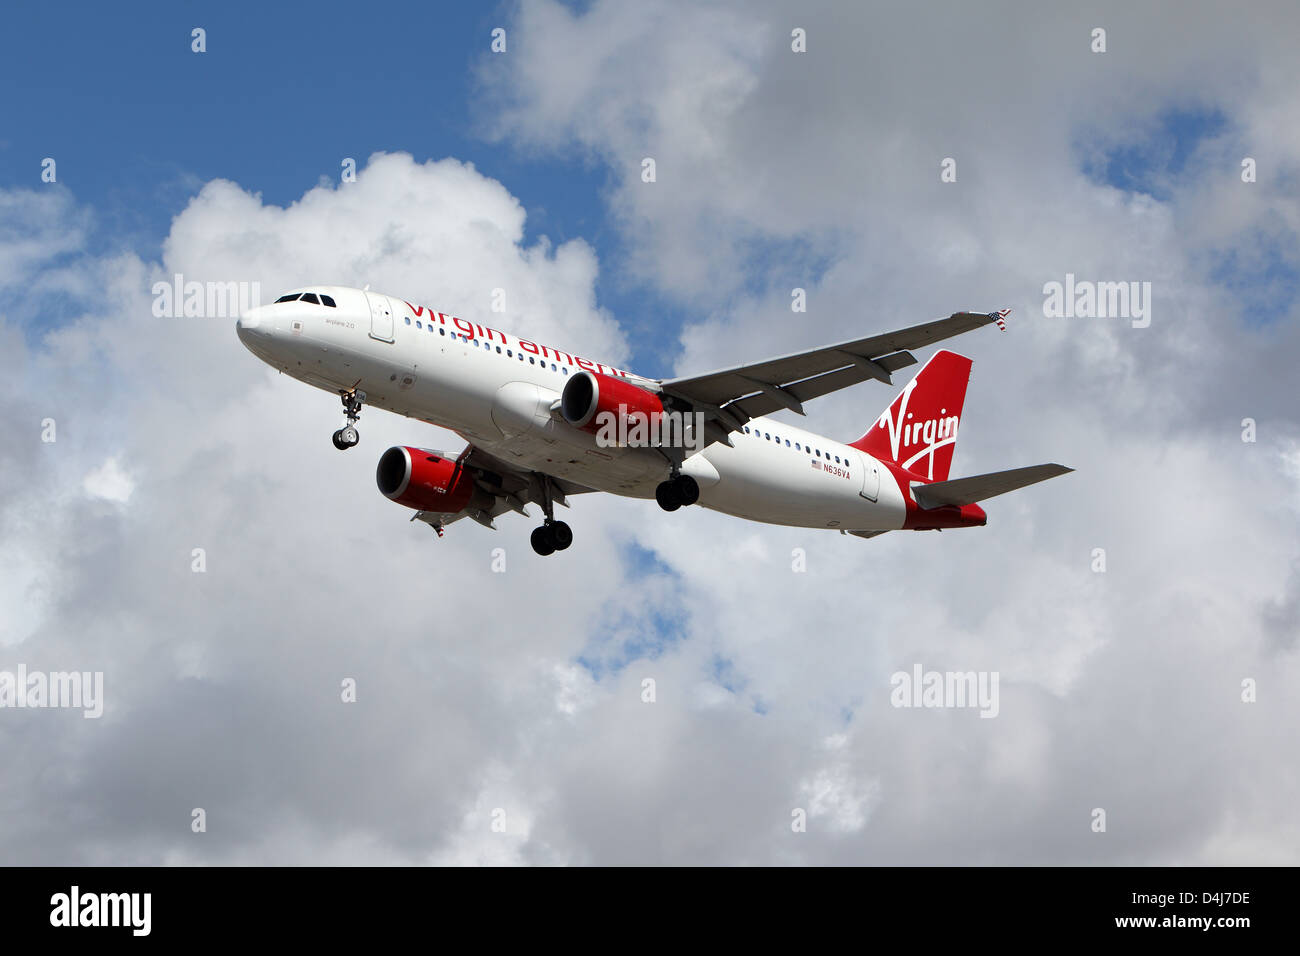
<point>496,391</point>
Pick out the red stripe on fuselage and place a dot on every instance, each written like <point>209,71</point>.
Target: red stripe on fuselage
<point>922,519</point>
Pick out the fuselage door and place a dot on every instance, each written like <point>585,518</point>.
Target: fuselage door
<point>870,478</point>
<point>381,317</point>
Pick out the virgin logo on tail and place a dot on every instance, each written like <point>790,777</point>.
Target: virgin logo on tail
<point>923,420</point>
<point>935,433</point>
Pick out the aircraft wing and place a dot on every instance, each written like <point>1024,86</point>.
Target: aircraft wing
<point>511,487</point>
<point>499,473</point>
<point>730,397</point>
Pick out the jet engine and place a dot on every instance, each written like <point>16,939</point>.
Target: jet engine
<point>429,481</point>
<point>589,397</point>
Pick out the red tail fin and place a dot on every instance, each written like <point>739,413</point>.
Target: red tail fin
<point>919,429</point>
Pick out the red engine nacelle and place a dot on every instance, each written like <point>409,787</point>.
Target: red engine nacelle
<point>427,481</point>
<point>589,396</point>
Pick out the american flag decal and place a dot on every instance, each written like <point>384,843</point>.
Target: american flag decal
<point>998,317</point>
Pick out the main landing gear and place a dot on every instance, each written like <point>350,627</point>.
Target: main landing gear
<point>553,535</point>
<point>677,492</point>
<point>347,436</point>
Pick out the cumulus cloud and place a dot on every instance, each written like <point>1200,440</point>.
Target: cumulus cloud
<point>224,632</point>
<point>821,170</point>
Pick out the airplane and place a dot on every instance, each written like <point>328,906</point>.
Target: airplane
<point>543,425</point>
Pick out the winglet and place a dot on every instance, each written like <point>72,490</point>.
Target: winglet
<point>1000,318</point>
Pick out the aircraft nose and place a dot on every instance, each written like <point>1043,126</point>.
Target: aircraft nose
<point>248,323</point>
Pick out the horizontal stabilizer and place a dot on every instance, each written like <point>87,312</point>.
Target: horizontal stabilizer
<point>967,491</point>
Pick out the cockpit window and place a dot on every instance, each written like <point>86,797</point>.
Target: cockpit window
<point>309,297</point>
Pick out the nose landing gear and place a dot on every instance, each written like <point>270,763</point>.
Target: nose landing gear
<point>347,436</point>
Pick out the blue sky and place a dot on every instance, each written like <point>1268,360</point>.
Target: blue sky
<point>1158,158</point>
<point>137,122</point>
<point>1150,158</point>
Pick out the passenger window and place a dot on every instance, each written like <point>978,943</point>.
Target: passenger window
<point>498,350</point>
<point>552,366</point>
<point>531,360</point>
<point>819,452</point>
<point>288,298</point>
<point>837,459</point>
<point>418,325</point>
<point>408,318</point>
<point>796,446</point>
<point>442,331</point>
<point>787,443</point>
<point>329,300</point>
<point>564,369</point>
<point>310,297</point>
<point>767,436</point>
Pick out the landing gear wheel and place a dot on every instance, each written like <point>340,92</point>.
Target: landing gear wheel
<point>669,495</point>
<point>347,436</point>
<point>561,535</point>
<point>688,489</point>
<point>543,541</point>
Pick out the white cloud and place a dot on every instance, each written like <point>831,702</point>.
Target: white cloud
<point>834,155</point>
<point>311,576</point>
<point>109,482</point>
<point>836,798</point>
